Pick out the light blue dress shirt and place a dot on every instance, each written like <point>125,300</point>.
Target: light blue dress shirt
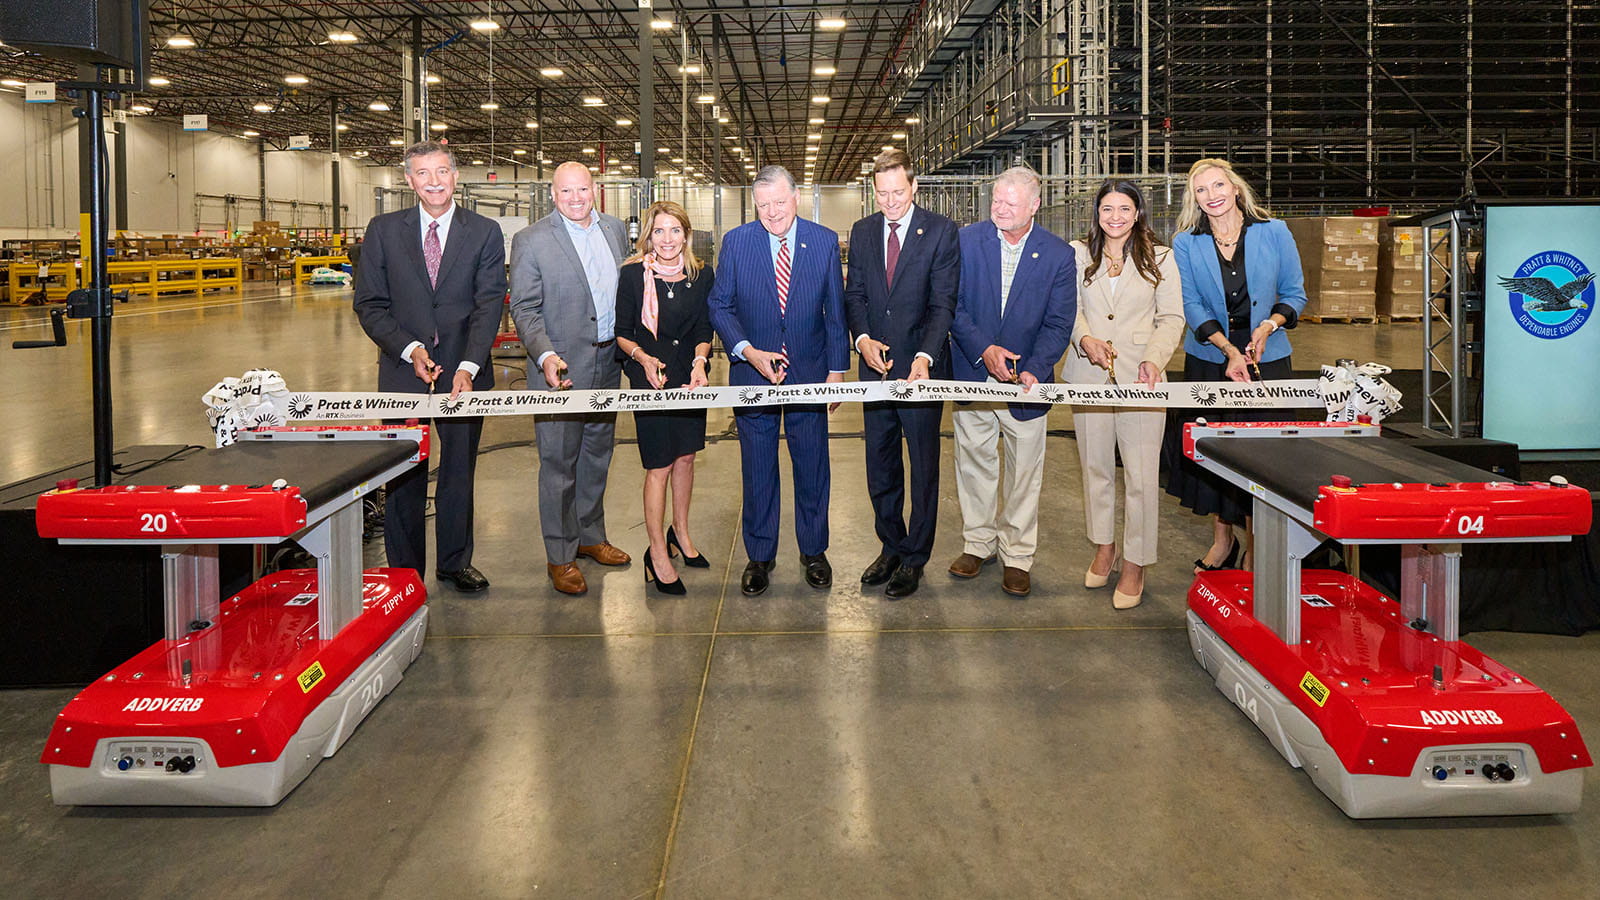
<point>600,267</point>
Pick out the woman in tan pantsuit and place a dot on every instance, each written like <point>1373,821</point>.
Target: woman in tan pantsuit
<point>1130,320</point>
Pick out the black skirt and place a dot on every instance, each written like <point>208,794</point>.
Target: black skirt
<point>666,434</point>
<point>1204,492</point>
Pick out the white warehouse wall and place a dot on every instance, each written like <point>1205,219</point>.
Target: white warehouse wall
<point>167,167</point>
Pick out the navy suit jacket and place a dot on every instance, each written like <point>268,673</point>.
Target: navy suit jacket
<point>1272,273</point>
<point>396,305</point>
<point>1039,316</point>
<point>913,315</point>
<point>744,303</point>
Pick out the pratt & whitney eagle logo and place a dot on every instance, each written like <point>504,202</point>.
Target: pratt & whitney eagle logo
<point>901,390</point>
<point>300,406</point>
<point>1551,294</point>
<point>1203,395</point>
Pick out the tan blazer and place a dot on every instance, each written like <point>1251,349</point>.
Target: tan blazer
<point>1143,322</point>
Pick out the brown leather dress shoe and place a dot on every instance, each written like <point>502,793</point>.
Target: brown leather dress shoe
<point>567,578</point>
<point>967,565</point>
<point>605,554</point>
<point>1015,582</point>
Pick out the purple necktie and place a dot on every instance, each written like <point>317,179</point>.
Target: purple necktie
<point>432,253</point>
<point>894,252</point>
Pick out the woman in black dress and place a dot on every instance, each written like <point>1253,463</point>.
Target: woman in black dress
<point>664,331</point>
<point>1242,290</point>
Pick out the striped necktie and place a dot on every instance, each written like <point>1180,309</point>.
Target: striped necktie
<point>783,276</point>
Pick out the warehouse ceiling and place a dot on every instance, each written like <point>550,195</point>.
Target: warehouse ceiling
<point>762,65</point>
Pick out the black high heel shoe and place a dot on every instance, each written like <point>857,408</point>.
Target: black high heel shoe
<point>673,588</point>
<point>697,562</point>
<point>1231,562</point>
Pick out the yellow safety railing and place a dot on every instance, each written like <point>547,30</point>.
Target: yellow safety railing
<point>303,265</point>
<point>144,277</point>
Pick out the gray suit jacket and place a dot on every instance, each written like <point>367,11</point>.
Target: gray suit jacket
<point>550,300</point>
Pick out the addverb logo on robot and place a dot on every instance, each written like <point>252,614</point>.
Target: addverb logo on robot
<point>1551,294</point>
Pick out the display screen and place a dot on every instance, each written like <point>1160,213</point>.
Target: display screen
<point>1541,351</point>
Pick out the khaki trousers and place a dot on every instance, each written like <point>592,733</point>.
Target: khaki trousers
<point>999,516</point>
<point>1102,431</point>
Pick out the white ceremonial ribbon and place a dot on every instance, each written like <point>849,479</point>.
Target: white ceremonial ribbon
<point>1221,395</point>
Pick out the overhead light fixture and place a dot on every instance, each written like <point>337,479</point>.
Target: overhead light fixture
<point>141,108</point>
<point>396,142</point>
<point>723,119</point>
<point>262,107</point>
<point>888,146</point>
<point>359,153</point>
<point>830,24</point>
<point>341,37</point>
<point>180,41</point>
<point>706,98</point>
<point>594,168</point>
<point>660,24</point>
<point>594,101</point>
<point>663,149</point>
<point>627,168</point>
<point>519,152</point>
<point>551,72</point>
<point>438,126</point>
<point>433,79</point>
<point>588,150</point>
<point>12,82</point>
<point>824,71</point>
<point>477,162</point>
<point>530,125</point>
<point>821,99</point>
<point>485,25</point>
<point>690,69</point>
<point>815,120</point>
<point>252,134</point>
<point>677,159</point>
<point>341,127</point>
<point>296,79</point>
<point>898,135</point>
<point>490,106</point>
<point>153,81</point>
<point>912,120</point>
<point>624,123</point>
<point>378,106</point>
<point>612,162</point>
<point>814,137</point>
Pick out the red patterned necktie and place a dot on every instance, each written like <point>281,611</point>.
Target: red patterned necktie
<point>432,253</point>
<point>894,252</point>
<point>783,276</point>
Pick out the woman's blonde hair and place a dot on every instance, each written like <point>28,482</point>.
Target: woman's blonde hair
<point>647,223</point>
<point>1190,215</point>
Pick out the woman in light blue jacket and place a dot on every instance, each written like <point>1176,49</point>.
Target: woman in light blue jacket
<point>1242,289</point>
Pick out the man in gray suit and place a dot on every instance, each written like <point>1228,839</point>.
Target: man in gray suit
<point>564,300</point>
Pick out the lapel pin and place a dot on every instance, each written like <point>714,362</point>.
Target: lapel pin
<point>1035,255</point>
<point>802,246</point>
<point>919,231</point>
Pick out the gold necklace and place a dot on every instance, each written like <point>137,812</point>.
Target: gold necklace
<point>1113,266</point>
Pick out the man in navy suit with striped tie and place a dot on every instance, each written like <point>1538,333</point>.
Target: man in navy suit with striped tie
<point>905,264</point>
<point>778,304</point>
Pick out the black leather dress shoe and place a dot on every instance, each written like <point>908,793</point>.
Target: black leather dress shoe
<point>881,568</point>
<point>903,583</point>
<point>754,580</point>
<point>818,573</point>
<point>468,580</point>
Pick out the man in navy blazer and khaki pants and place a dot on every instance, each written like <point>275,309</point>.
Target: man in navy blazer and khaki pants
<point>778,304</point>
<point>429,292</point>
<point>900,297</point>
<point>1014,315</point>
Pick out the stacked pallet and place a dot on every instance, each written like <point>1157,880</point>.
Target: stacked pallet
<point>1339,256</point>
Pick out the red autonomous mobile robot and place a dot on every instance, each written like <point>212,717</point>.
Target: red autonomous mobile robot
<point>244,696</point>
<point>1379,700</point>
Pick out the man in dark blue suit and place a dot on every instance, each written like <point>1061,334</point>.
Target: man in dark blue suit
<point>1014,315</point>
<point>778,304</point>
<point>900,297</point>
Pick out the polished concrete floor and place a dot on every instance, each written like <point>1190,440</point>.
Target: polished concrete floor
<point>961,743</point>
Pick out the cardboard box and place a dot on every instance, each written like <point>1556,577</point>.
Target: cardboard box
<point>264,226</point>
<point>1339,257</point>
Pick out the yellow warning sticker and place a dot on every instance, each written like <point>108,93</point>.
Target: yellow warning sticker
<point>1314,688</point>
<point>313,676</point>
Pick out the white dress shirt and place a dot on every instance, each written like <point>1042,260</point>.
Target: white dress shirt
<point>424,220</point>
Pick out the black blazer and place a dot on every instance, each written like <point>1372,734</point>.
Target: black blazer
<point>685,321</point>
<point>914,315</point>
<point>396,305</point>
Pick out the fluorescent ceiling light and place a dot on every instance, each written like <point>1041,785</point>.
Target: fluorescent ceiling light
<point>624,123</point>
<point>519,152</point>
<point>690,69</point>
<point>723,119</point>
<point>396,142</point>
<point>660,24</point>
<point>341,37</point>
<point>180,41</point>
<point>830,24</point>
<point>433,79</point>
<point>589,150</point>
<point>438,126</point>
<point>252,134</point>
<point>821,99</point>
<point>531,125</point>
<point>551,72</point>
<point>477,162</point>
<point>296,79</point>
<point>594,101</point>
<point>341,127</point>
<point>141,108</point>
<point>663,149</point>
<point>815,120</point>
<point>153,81</point>
<point>823,70</point>
<point>12,82</point>
<point>813,137</point>
<point>262,107</point>
<point>489,106</point>
<point>898,135</point>
<point>378,106</point>
<point>677,159</point>
<point>485,25</point>
<point>912,120</point>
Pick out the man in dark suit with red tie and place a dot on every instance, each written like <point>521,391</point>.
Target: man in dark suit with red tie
<point>429,292</point>
<point>778,303</point>
<point>900,296</point>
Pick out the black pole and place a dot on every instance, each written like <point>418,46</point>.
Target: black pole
<point>121,163</point>
<point>333,140</point>
<point>647,96</point>
<point>100,326</point>
<point>538,133</point>
<point>419,85</point>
